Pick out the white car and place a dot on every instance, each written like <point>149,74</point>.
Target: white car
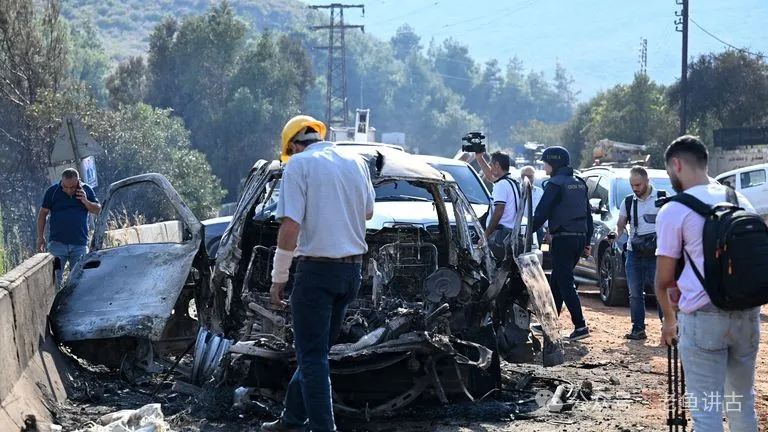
<point>751,182</point>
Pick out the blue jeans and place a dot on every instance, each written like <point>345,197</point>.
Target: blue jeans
<point>641,272</point>
<point>321,293</point>
<point>65,253</point>
<point>719,351</point>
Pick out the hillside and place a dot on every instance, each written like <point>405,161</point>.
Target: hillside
<point>125,25</point>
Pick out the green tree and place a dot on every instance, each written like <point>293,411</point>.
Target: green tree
<point>636,113</point>
<point>88,62</point>
<point>127,85</point>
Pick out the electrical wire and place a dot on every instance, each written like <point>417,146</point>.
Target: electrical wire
<point>724,42</point>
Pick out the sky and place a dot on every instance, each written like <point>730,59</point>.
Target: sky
<point>597,41</point>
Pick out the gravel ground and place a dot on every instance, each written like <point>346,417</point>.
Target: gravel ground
<point>628,381</point>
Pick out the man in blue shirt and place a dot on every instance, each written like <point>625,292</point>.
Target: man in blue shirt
<point>68,202</point>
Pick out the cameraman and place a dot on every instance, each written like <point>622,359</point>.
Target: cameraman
<point>506,200</point>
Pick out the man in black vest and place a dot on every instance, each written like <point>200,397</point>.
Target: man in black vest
<point>565,204</point>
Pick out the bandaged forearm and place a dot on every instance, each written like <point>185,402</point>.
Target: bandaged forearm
<point>281,265</point>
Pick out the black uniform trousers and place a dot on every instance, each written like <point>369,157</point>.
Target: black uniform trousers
<point>566,251</point>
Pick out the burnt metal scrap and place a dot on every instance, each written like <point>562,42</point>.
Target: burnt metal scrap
<point>434,316</point>
<point>425,324</point>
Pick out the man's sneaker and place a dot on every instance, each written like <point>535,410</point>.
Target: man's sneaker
<point>537,328</point>
<point>636,335</point>
<point>579,333</point>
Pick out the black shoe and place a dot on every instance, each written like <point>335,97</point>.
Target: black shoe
<point>636,335</point>
<point>279,426</point>
<point>579,333</point>
<point>537,328</point>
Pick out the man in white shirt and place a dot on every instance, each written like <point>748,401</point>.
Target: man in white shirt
<point>326,195</point>
<point>718,348</point>
<point>639,209</point>
<point>506,201</point>
<point>529,172</point>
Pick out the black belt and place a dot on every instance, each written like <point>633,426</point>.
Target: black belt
<point>352,259</point>
<point>568,234</point>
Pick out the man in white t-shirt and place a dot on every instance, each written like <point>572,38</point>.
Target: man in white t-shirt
<point>530,173</point>
<point>718,348</point>
<point>638,210</point>
<point>506,200</point>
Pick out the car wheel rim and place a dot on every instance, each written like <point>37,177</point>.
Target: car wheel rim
<point>606,276</point>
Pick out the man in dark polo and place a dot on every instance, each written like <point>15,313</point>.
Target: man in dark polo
<point>68,203</point>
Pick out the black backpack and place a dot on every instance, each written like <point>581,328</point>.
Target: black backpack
<point>735,244</point>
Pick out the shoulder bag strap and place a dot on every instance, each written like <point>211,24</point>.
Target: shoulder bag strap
<point>634,216</point>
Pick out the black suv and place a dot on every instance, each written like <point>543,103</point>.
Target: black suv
<point>607,189</point>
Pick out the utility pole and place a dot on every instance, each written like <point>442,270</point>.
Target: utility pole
<point>337,111</point>
<point>681,25</point>
<point>644,56</point>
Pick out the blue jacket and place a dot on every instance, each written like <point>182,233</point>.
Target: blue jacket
<point>565,204</point>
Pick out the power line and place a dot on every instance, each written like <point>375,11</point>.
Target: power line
<point>724,42</point>
<point>337,111</point>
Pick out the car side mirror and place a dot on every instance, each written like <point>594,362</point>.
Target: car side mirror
<point>595,204</point>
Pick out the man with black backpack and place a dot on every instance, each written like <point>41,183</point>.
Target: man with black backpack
<point>714,246</point>
<point>639,210</point>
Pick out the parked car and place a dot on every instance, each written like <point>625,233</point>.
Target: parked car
<point>605,267</point>
<point>751,182</point>
<point>430,300</point>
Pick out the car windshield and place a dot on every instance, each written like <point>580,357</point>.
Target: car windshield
<point>624,188</point>
<point>468,182</point>
<point>401,190</point>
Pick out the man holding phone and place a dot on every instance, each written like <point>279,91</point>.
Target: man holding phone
<point>68,203</point>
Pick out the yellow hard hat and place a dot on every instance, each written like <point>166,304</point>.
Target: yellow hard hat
<point>293,127</point>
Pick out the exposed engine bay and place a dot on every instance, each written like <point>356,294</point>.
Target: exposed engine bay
<point>424,323</point>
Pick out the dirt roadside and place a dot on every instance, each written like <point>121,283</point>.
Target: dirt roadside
<point>629,379</point>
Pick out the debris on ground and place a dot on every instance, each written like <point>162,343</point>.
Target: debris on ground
<point>148,418</point>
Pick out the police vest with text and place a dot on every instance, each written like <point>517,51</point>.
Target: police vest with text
<point>570,213</point>
<point>735,244</point>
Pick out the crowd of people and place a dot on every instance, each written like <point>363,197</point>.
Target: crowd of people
<point>718,348</point>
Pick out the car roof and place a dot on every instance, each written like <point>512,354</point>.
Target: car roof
<point>431,159</point>
<point>368,144</point>
<point>399,164</point>
<point>740,170</point>
<point>624,172</point>
<point>217,220</point>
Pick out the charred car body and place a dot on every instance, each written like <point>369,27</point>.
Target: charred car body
<point>127,302</point>
<point>432,316</point>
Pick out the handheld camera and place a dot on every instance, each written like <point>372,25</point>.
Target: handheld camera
<point>663,199</point>
<point>475,143</point>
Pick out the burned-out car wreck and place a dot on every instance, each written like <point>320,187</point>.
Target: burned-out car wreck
<point>433,316</point>
<point>127,303</point>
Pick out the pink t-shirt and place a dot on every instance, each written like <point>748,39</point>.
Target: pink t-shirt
<point>677,225</point>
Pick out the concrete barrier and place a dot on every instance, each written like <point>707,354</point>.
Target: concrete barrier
<point>161,232</point>
<point>30,362</point>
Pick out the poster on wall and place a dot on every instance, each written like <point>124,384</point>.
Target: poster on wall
<point>88,171</point>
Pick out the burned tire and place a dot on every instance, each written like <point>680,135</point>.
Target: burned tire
<point>612,293</point>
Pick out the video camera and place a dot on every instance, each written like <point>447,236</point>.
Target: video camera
<point>475,140</point>
<point>663,199</point>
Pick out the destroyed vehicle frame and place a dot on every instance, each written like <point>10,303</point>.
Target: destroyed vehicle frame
<point>425,319</point>
<point>128,299</point>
